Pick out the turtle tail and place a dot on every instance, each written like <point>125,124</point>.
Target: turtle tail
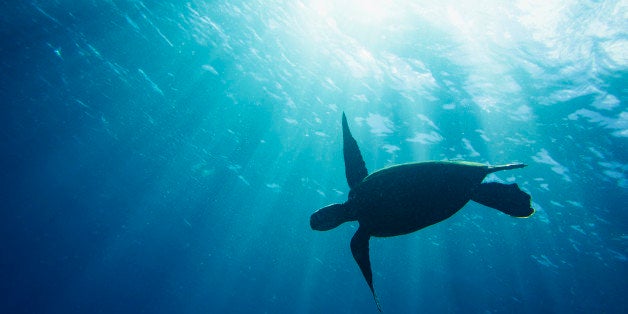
<point>492,169</point>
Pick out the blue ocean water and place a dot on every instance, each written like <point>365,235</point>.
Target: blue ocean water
<point>165,157</point>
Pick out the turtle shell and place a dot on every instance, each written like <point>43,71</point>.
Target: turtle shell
<point>407,197</point>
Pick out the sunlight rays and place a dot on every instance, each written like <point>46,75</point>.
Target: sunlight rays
<point>371,12</point>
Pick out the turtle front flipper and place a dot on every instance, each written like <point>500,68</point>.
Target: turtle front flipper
<point>360,250</point>
<point>507,198</point>
<point>355,168</point>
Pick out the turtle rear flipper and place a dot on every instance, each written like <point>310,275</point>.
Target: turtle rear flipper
<point>507,198</point>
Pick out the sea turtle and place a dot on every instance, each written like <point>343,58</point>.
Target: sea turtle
<point>405,198</point>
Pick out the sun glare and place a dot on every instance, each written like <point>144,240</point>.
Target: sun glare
<point>367,13</point>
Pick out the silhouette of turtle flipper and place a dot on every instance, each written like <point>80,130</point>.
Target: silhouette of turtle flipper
<point>355,168</point>
<point>507,198</point>
<point>360,251</point>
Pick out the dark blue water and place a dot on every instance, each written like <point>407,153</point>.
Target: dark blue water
<point>166,157</point>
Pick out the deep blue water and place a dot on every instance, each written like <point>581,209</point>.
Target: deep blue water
<point>165,157</point>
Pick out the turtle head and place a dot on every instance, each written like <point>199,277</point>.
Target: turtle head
<point>330,217</point>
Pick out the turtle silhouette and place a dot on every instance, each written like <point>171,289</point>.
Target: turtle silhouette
<point>405,198</point>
